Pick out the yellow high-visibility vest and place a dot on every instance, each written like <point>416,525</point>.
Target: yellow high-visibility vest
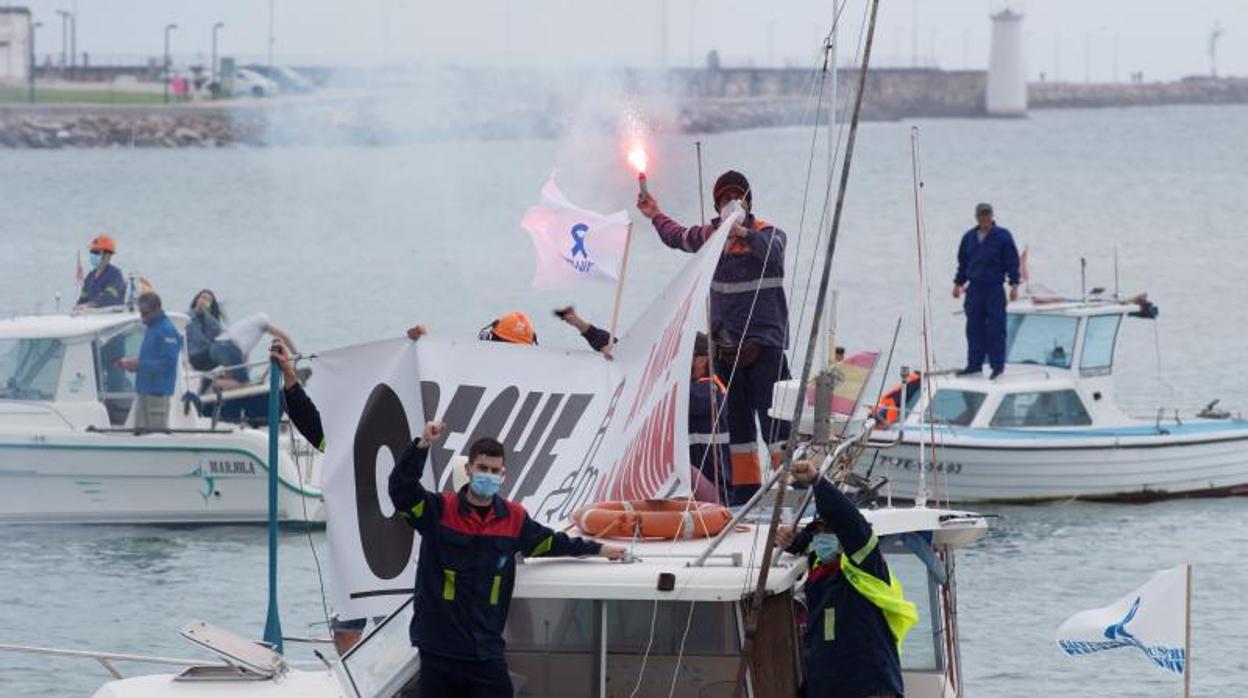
<point>899,613</point>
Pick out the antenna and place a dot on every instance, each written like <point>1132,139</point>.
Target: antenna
<point>1116,296</point>
<point>1083,278</point>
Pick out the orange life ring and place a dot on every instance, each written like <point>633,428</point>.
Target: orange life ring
<point>667,519</point>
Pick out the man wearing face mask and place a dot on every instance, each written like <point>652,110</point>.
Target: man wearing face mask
<point>749,322</point>
<point>104,285</point>
<point>467,566</point>
<point>857,616</point>
<point>156,366</point>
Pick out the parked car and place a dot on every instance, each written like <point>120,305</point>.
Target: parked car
<point>288,79</point>
<point>249,83</point>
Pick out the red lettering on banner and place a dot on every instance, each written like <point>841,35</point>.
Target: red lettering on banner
<point>662,354</point>
<point>650,458</point>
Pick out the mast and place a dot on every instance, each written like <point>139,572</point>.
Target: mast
<point>920,237</point>
<point>760,590</point>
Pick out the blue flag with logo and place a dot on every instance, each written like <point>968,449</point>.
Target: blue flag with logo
<point>574,245</point>
<point>1151,620</point>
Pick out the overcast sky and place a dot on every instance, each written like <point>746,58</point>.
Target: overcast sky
<point>1069,39</point>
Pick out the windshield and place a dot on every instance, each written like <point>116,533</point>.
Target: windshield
<point>1040,339</point>
<point>30,368</point>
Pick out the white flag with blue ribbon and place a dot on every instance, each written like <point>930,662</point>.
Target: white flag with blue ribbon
<point>1152,620</point>
<point>574,245</point>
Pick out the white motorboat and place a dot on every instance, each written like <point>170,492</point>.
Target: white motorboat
<point>69,452</point>
<point>1049,427</point>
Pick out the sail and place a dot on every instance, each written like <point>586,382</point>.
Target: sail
<point>577,427</point>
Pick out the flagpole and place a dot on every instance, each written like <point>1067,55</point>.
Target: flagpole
<point>1187,640</point>
<point>619,286</point>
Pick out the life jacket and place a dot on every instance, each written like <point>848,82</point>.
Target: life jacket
<point>889,409</point>
<point>737,246</point>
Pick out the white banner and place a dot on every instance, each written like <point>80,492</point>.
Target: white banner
<point>574,245</point>
<point>1151,619</point>
<point>578,428</point>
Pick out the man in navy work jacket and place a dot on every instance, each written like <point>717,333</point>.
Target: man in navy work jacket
<point>156,366</point>
<point>987,257</point>
<point>104,285</point>
<point>857,616</point>
<point>467,567</point>
<point>749,322</point>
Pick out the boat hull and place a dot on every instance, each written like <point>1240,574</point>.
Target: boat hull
<point>970,468</point>
<point>144,479</point>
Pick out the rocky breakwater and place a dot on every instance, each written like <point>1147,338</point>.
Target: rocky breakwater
<point>43,126</point>
<point>1192,90</point>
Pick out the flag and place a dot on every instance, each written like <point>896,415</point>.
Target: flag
<point>79,277</point>
<point>852,375</point>
<point>1151,619</point>
<point>574,245</point>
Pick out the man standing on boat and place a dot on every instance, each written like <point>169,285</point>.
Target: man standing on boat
<point>156,366</point>
<point>467,566</point>
<point>987,257</point>
<point>856,614</point>
<point>749,322</point>
<point>104,285</point>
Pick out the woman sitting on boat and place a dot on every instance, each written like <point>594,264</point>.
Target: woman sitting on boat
<point>210,344</point>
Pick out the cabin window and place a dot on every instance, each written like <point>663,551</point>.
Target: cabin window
<point>551,646</point>
<point>1098,344</point>
<point>922,648</point>
<point>711,648</point>
<point>956,407</point>
<point>115,385</point>
<point>1042,409</point>
<point>1048,340</point>
<point>30,368</point>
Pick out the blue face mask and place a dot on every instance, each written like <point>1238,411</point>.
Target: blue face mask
<point>485,485</point>
<point>93,259</point>
<point>826,547</point>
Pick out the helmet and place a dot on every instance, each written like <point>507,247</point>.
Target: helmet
<point>103,243</point>
<point>514,327</point>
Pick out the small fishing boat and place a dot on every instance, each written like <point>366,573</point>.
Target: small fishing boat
<point>69,452</point>
<point>1049,427</point>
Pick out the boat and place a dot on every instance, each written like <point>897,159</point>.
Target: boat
<point>69,452</point>
<point>1049,428</point>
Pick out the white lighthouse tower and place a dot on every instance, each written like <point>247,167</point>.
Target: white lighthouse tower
<point>1007,77</point>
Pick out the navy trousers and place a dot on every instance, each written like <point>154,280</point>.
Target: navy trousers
<point>749,399</point>
<point>985,326</point>
<point>441,677</point>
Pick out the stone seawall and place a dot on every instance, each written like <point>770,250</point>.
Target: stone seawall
<point>132,127</point>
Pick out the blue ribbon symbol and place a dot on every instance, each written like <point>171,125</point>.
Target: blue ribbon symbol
<point>578,233</point>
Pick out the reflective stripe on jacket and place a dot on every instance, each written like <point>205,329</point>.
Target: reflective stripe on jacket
<point>751,265</point>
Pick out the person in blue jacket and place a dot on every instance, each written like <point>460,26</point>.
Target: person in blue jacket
<point>749,321</point>
<point>467,566</point>
<point>987,258</point>
<point>857,614</point>
<point>104,285</point>
<point>156,366</point>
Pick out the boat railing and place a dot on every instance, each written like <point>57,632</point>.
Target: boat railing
<point>107,659</point>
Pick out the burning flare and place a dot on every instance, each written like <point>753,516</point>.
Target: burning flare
<point>638,159</point>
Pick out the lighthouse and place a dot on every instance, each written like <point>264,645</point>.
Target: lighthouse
<point>1007,78</point>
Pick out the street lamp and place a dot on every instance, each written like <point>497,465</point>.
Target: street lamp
<point>215,28</point>
<point>31,91</point>
<point>168,28</point>
<point>65,15</point>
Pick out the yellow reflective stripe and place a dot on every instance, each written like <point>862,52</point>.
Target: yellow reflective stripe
<point>419,510</point>
<point>862,554</point>
<point>448,585</point>
<point>321,446</point>
<point>498,583</point>
<point>899,613</point>
<point>543,547</point>
<point>829,624</point>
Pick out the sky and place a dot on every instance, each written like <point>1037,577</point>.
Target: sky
<point>1072,40</point>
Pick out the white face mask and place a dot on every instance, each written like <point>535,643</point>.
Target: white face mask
<point>826,547</point>
<point>94,259</point>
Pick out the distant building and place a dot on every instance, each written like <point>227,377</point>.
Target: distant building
<point>15,55</point>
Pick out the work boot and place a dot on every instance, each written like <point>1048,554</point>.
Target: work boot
<point>996,373</point>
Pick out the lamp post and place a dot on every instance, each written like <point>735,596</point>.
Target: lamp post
<point>65,15</point>
<point>215,28</point>
<point>31,91</point>
<point>168,28</point>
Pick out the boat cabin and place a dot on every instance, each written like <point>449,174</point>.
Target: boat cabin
<point>661,626</point>
<point>59,371</point>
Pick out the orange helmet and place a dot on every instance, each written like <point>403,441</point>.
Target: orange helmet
<point>514,327</point>
<point>103,243</point>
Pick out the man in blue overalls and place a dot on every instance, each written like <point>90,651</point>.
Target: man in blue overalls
<point>986,258</point>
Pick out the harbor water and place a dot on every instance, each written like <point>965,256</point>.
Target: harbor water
<point>351,243</point>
